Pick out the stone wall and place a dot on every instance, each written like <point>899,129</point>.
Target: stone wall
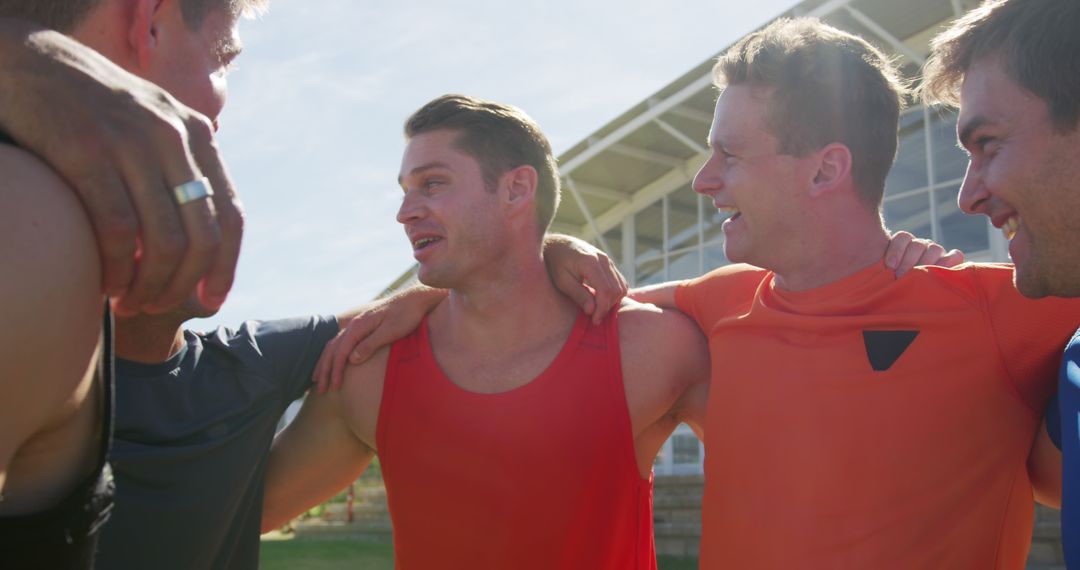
<point>676,515</point>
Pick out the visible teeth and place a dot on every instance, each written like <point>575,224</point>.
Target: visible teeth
<point>423,241</point>
<point>1010,226</point>
<point>727,210</point>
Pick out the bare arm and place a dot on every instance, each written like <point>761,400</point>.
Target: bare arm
<point>666,373</point>
<point>1044,469</point>
<point>316,456</point>
<point>904,252</point>
<point>49,327</point>
<point>662,294</point>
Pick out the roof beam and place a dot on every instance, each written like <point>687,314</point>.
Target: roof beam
<point>634,124</point>
<point>596,234</point>
<point>884,34</point>
<point>692,114</point>
<point>647,195</point>
<point>646,155</point>
<point>682,137</point>
<point>601,192</point>
<point>827,8</point>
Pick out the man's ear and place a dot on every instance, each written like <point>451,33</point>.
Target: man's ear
<point>833,163</point>
<point>145,20</point>
<point>519,186</point>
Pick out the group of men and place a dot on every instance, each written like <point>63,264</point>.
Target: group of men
<point>857,418</point>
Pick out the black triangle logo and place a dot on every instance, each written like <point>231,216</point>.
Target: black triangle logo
<point>883,348</point>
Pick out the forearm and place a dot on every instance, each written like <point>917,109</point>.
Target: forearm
<point>421,297</point>
<point>662,294</point>
<point>313,459</point>
<point>1044,470</point>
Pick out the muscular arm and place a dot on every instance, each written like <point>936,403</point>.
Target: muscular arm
<point>666,373</point>
<point>326,447</point>
<point>49,327</point>
<point>1044,469</point>
<point>662,294</point>
<point>311,460</point>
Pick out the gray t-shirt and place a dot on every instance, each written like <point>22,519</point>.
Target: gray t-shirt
<point>192,442</point>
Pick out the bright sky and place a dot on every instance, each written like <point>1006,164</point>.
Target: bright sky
<point>312,129</point>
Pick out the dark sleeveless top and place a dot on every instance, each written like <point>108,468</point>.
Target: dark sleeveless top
<point>64,536</point>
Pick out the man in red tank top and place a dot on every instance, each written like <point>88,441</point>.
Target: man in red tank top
<point>512,431</point>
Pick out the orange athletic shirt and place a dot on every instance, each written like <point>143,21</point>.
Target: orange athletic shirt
<point>874,422</point>
<point>541,477</point>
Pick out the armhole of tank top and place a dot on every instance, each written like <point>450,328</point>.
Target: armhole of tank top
<point>618,385</point>
<point>389,389</point>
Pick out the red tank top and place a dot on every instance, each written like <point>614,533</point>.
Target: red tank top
<point>543,476</point>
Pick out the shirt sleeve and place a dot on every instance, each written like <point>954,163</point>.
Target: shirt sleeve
<point>1031,334</point>
<point>293,346</point>
<point>716,294</point>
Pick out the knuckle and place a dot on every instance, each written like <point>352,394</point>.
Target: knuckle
<point>171,246</point>
<point>199,129</point>
<point>118,234</point>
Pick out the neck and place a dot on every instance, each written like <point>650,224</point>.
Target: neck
<point>150,339</point>
<point>842,246</point>
<point>514,305</point>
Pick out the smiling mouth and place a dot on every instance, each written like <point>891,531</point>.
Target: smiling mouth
<point>424,242</point>
<point>729,212</point>
<point>1008,229</point>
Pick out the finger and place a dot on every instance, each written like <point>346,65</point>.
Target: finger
<point>203,240</point>
<point>898,245</point>
<point>912,254</point>
<point>572,287</point>
<point>218,280</point>
<point>932,255</point>
<point>113,218</point>
<point>377,335</point>
<point>358,329</point>
<point>162,238</point>
<point>607,293</point>
<point>952,259</point>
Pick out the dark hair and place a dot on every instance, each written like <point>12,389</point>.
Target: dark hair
<point>60,15</point>
<point>65,15</point>
<point>499,137</point>
<point>826,86</point>
<point>1037,41</point>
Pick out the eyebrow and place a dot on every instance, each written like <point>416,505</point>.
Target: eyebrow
<point>969,129</point>
<point>426,166</point>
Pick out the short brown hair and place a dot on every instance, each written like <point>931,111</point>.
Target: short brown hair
<point>826,86</point>
<point>60,15</point>
<point>65,15</point>
<point>1037,41</point>
<point>499,137</point>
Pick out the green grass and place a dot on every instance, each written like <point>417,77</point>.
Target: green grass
<point>325,555</point>
<point>313,554</point>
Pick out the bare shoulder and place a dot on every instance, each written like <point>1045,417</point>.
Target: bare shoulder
<point>660,342</point>
<point>51,323</point>
<point>361,395</point>
<point>643,325</point>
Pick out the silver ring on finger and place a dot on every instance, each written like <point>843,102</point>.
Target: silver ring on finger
<point>192,190</point>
